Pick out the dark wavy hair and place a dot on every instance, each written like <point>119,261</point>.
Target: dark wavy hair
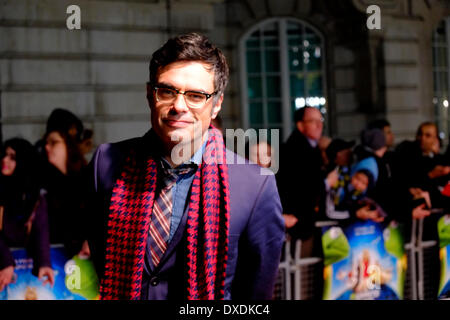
<point>75,159</point>
<point>27,159</point>
<point>192,47</point>
<point>65,121</point>
<point>21,189</point>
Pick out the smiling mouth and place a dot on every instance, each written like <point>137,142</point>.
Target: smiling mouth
<point>177,123</point>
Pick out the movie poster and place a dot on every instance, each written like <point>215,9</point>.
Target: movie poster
<point>75,278</point>
<point>444,256</point>
<point>364,261</point>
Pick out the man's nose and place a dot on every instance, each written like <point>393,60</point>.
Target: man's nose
<point>180,103</point>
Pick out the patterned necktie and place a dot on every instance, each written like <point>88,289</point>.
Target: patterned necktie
<point>162,212</point>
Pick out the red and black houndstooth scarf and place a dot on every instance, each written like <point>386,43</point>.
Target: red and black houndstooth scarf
<point>206,228</point>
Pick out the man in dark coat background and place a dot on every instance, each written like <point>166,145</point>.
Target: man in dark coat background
<point>300,179</point>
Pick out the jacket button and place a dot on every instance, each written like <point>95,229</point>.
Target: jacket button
<point>154,281</point>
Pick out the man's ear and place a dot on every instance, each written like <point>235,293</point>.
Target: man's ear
<point>217,106</point>
<point>300,126</point>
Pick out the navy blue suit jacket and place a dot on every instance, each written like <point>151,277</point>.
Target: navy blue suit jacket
<point>256,232</point>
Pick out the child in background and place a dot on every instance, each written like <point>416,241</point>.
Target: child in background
<point>354,202</point>
<point>340,156</point>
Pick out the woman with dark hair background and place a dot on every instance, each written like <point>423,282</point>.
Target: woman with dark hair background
<point>23,211</point>
<point>63,182</point>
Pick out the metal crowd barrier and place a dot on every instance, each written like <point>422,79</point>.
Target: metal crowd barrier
<point>302,278</point>
<point>422,257</point>
<point>297,277</point>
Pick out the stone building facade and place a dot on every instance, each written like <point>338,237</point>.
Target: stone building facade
<point>99,72</point>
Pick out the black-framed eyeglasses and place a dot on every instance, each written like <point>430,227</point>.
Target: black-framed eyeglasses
<point>194,99</point>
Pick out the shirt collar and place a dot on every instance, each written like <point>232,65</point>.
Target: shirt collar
<point>195,159</point>
<point>312,142</point>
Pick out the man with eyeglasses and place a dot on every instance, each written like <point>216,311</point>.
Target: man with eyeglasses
<point>173,219</point>
<point>300,178</point>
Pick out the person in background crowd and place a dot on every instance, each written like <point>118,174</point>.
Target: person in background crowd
<point>388,157</point>
<point>371,151</point>
<point>301,181</point>
<point>365,176</point>
<point>420,167</point>
<point>193,226</point>
<point>65,186</point>
<point>260,153</point>
<point>340,155</point>
<point>64,121</point>
<point>323,144</point>
<point>385,126</point>
<point>419,171</point>
<point>86,144</point>
<point>23,211</point>
<point>354,202</point>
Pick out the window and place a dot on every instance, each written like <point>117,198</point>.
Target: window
<point>441,78</point>
<point>282,70</point>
